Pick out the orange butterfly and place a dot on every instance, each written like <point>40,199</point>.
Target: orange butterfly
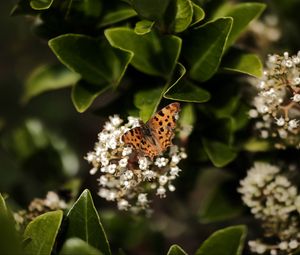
<point>156,135</point>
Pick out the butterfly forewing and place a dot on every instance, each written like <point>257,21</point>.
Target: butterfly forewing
<point>162,125</point>
<point>156,135</point>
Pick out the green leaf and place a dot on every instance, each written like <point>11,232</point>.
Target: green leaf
<point>186,91</point>
<point>9,239</point>
<point>116,16</point>
<point>227,241</point>
<point>204,47</point>
<point>147,102</point>
<point>216,204</point>
<point>84,94</point>
<point>242,15</point>
<point>176,250</point>
<point>198,14</point>
<point>76,246</point>
<point>152,10</point>
<point>143,27</point>
<point>40,4</point>
<point>48,78</point>
<point>219,153</point>
<point>95,60</point>
<point>84,222</point>
<point>184,15</point>
<point>40,234</point>
<point>246,63</point>
<point>85,8</point>
<point>153,55</point>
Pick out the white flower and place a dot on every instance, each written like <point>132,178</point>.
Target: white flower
<point>149,175</point>
<point>90,157</point>
<point>128,175</point>
<point>273,103</point>
<point>142,199</point>
<point>175,159</point>
<point>93,170</point>
<point>111,168</point>
<point>123,162</point>
<point>275,201</point>
<point>293,123</point>
<point>163,180</point>
<point>126,151</point>
<point>175,170</point>
<point>293,244</point>
<point>143,163</point>
<point>123,205</point>
<point>115,120</point>
<point>125,175</point>
<point>283,245</point>
<point>171,187</point>
<point>280,122</point>
<point>161,161</point>
<point>296,98</point>
<point>161,192</point>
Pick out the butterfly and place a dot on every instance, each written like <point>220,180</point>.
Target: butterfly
<point>155,136</point>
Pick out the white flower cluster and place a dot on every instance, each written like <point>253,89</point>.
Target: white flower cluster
<point>127,177</point>
<point>276,202</point>
<point>277,104</point>
<point>39,206</point>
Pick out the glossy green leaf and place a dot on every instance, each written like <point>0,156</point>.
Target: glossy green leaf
<point>143,27</point>
<point>219,153</point>
<point>246,63</point>
<point>48,78</point>
<point>84,94</point>
<point>242,15</point>
<point>216,204</point>
<point>176,250</point>
<point>116,16</point>
<point>184,15</point>
<point>76,246</point>
<point>40,4</point>
<point>84,223</point>
<point>227,241</point>
<point>85,8</point>
<point>152,10</point>
<point>147,102</point>
<point>40,234</point>
<point>198,14</point>
<point>9,240</point>
<point>186,91</point>
<point>204,46</point>
<point>153,55</point>
<point>95,60</point>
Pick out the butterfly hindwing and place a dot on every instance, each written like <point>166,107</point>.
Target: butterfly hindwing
<point>141,142</point>
<point>133,137</point>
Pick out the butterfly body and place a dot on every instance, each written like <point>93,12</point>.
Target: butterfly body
<point>154,136</point>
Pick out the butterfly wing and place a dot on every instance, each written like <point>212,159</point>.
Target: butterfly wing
<point>140,142</point>
<point>162,125</point>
